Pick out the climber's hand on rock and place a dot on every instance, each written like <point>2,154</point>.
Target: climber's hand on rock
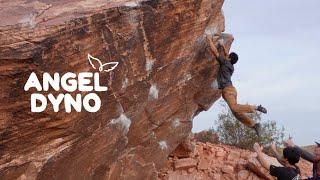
<point>222,45</point>
<point>257,147</point>
<point>221,42</point>
<point>209,40</point>
<point>213,47</point>
<point>209,37</point>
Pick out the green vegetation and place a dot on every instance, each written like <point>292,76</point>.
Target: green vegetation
<point>232,132</point>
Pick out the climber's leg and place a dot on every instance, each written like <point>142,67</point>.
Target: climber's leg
<point>229,94</point>
<point>239,111</point>
<point>244,119</point>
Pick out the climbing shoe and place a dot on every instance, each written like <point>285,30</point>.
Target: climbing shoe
<point>262,109</point>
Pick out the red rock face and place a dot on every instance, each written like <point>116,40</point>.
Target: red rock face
<point>164,78</point>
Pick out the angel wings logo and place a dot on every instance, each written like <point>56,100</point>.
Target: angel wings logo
<point>69,82</point>
<point>96,63</point>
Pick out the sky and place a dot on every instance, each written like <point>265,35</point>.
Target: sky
<point>277,43</point>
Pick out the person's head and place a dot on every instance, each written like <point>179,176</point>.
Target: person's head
<point>233,58</point>
<point>292,155</point>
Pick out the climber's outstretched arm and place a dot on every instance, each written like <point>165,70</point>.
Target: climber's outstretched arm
<point>213,48</point>
<point>225,51</point>
<point>261,156</point>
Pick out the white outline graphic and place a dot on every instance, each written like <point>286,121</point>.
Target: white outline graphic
<point>113,64</point>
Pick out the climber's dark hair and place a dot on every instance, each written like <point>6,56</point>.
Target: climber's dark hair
<point>233,58</point>
<point>292,154</point>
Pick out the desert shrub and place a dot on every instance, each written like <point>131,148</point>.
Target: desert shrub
<point>232,132</point>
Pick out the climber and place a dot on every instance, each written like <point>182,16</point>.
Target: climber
<point>313,158</point>
<point>229,92</point>
<point>291,158</point>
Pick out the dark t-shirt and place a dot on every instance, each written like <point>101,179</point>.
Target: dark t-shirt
<point>225,72</point>
<point>285,173</point>
<point>316,166</point>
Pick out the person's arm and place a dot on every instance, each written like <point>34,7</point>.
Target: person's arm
<point>225,51</point>
<point>304,154</point>
<point>274,170</point>
<point>256,170</point>
<point>277,154</point>
<point>213,48</point>
<point>307,155</point>
<point>261,156</point>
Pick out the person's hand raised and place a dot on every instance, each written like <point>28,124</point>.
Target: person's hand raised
<point>257,147</point>
<point>288,143</point>
<point>273,146</point>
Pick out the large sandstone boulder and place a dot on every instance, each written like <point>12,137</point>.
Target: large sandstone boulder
<point>164,78</point>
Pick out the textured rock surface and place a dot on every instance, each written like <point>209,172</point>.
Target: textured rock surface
<point>164,78</point>
<point>221,162</point>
